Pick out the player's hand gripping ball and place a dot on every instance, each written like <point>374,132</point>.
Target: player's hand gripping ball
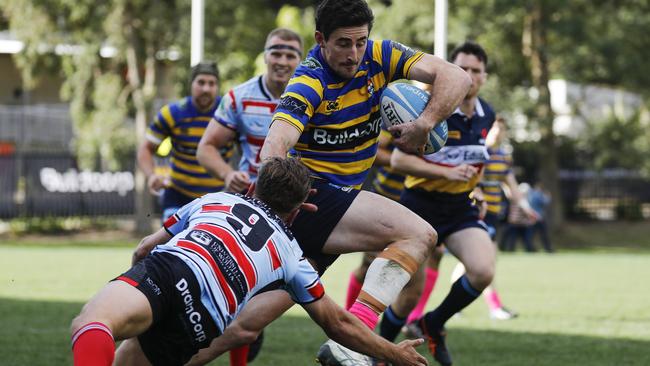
<point>403,103</point>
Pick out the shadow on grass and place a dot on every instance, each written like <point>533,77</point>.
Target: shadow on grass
<point>36,333</point>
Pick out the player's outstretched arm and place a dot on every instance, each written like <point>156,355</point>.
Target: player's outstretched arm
<point>415,166</point>
<point>146,151</point>
<point>215,137</point>
<point>346,329</point>
<point>450,85</point>
<point>147,244</point>
<point>259,312</point>
<point>282,136</point>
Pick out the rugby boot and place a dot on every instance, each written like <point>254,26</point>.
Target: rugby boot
<point>255,347</point>
<point>333,354</point>
<point>503,313</point>
<point>436,342</point>
<point>412,331</point>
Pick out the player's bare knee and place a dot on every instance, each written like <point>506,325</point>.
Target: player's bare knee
<point>481,276</point>
<point>426,238</point>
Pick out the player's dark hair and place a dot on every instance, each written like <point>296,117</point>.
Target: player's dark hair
<point>283,184</point>
<point>470,48</point>
<point>334,14</point>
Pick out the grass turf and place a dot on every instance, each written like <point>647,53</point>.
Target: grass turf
<point>576,308</point>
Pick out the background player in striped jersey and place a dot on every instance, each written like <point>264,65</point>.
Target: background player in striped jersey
<point>221,249</point>
<point>184,122</point>
<point>329,118</point>
<point>245,112</point>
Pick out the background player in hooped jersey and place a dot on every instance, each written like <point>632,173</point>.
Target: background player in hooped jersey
<point>220,249</point>
<point>245,112</point>
<point>184,122</point>
<point>498,172</point>
<point>329,118</point>
<point>438,189</point>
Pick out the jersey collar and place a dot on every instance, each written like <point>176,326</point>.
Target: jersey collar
<point>263,89</point>
<point>478,108</point>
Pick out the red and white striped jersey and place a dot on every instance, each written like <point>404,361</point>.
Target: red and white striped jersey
<point>247,109</point>
<point>236,246</point>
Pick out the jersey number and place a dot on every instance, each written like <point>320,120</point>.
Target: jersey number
<point>251,226</point>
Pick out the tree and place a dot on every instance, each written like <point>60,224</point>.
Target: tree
<point>104,91</point>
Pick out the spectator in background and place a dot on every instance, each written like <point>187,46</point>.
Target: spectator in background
<point>184,122</point>
<point>519,225</point>
<point>539,199</point>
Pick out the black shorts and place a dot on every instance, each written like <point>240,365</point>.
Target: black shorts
<point>181,324</point>
<point>312,229</point>
<point>446,212</point>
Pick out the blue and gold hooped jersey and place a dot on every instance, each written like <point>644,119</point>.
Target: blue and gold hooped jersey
<point>339,119</point>
<point>465,145</point>
<point>185,125</point>
<point>497,169</point>
<point>387,182</point>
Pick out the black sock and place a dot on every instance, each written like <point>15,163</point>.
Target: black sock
<point>390,324</point>
<point>461,294</point>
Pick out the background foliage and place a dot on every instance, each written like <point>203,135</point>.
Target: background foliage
<point>598,42</point>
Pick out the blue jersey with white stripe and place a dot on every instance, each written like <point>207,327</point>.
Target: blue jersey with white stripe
<point>247,109</point>
<point>465,145</point>
<point>339,119</point>
<point>236,246</point>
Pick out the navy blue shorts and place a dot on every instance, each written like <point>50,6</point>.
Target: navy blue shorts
<point>492,222</point>
<point>172,200</point>
<point>181,324</point>
<point>446,212</point>
<point>312,229</point>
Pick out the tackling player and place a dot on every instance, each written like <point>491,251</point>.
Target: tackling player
<point>245,114</point>
<point>221,249</point>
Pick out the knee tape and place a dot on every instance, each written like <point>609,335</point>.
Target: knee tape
<point>386,277</point>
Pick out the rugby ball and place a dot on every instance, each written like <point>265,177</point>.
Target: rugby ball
<point>403,103</point>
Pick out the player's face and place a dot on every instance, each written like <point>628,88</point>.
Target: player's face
<point>344,50</point>
<point>476,70</point>
<point>204,91</point>
<point>281,63</point>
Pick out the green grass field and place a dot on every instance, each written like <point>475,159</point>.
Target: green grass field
<point>577,308</point>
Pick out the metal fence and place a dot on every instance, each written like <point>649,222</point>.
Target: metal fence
<point>39,176</point>
<point>36,126</point>
<point>605,195</point>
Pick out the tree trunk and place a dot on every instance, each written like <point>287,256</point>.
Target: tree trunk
<point>535,46</point>
<point>142,96</point>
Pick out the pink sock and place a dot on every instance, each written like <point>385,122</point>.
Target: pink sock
<point>354,287</point>
<point>93,345</point>
<point>492,298</point>
<point>429,283</point>
<point>368,316</point>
